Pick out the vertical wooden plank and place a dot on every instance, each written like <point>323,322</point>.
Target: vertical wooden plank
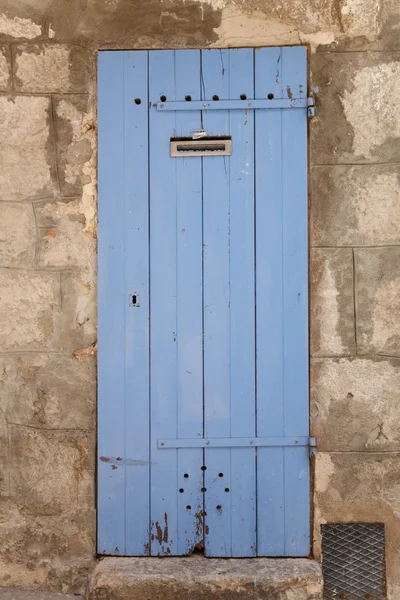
<point>189,309</point>
<point>111,306</point>
<point>163,308</point>
<point>136,236</point>
<point>242,309</point>
<point>269,303</point>
<point>295,323</point>
<point>282,341</point>
<point>216,240</point>
<point>123,399</point>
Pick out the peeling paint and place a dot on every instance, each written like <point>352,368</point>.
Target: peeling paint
<point>328,294</point>
<point>83,128</point>
<point>19,28</point>
<point>386,315</point>
<point>371,107</point>
<point>325,469</point>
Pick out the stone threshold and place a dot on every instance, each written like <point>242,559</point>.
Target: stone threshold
<point>199,578</point>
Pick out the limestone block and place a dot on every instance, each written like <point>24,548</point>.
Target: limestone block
<point>17,235</point>
<point>331,302</point>
<point>29,310</point>
<point>49,391</point>
<point>48,468</point>
<point>358,107</point>
<point>361,487</point>
<point>16,26</point>
<point>355,404</point>
<point>355,205</point>
<point>68,244</point>
<point>5,69</point>
<point>46,552</point>
<point>75,138</point>
<point>26,150</point>
<point>198,577</point>
<point>42,68</point>
<point>79,310</point>
<point>378,300</point>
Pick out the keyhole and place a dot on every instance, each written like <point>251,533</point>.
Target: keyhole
<point>134,299</point>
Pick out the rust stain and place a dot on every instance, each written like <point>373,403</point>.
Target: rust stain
<point>104,459</point>
<point>199,522</point>
<point>80,463</point>
<point>289,93</point>
<point>85,352</point>
<point>199,547</point>
<point>51,233</point>
<point>159,536</point>
<point>165,538</point>
<point>207,529</point>
<point>118,458</point>
<point>114,467</point>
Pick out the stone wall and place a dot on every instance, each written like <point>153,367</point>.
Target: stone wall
<point>48,257</point>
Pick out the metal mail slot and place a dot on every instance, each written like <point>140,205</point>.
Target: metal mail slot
<point>217,146</point>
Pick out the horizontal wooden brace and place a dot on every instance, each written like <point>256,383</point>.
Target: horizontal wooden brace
<point>254,442</point>
<point>249,104</point>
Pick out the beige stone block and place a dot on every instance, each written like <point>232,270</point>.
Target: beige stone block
<point>5,69</point>
<point>332,304</point>
<point>358,97</point>
<point>49,391</point>
<point>26,150</point>
<point>17,235</point>
<point>361,487</point>
<point>79,310</point>
<point>29,310</point>
<point>44,68</point>
<point>75,138</point>
<point>355,404</point>
<point>68,244</point>
<point>48,468</point>
<point>355,205</point>
<point>378,300</point>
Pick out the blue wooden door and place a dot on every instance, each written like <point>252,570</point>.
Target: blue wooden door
<point>203,329</point>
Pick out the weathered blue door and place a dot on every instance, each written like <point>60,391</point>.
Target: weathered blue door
<point>203,331</point>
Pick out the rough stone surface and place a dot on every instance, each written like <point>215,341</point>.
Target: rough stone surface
<point>68,244</point>
<point>378,300</point>
<point>365,198</point>
<point>361,487</point>
<point>332,305</point>
<point>5,70</point>
<point>79,314</point>
<point>29,310</point>
<point>17,235</point>
<point>51,68</point>
<point>26,151</point>
<point>357,119</point>
<point>361,390</point>
<point>185,578</point>
<point>14,594</point>
<point>49,391</point>
<point>74,142</point>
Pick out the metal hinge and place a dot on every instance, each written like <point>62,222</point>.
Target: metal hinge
<point>254,442</point>
<point>248,104</point>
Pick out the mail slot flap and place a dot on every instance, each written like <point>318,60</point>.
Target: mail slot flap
<point>207,146</point>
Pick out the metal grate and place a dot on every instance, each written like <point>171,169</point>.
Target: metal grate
<point>353,561</point>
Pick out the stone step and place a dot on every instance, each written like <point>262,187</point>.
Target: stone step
<point>17,594</point>
<point>199,578</point>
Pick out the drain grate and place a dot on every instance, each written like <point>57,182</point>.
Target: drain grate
<point>353,561</point>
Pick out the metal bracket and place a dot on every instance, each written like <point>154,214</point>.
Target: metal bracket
<point>254,442</point>
<point>236,104</point>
